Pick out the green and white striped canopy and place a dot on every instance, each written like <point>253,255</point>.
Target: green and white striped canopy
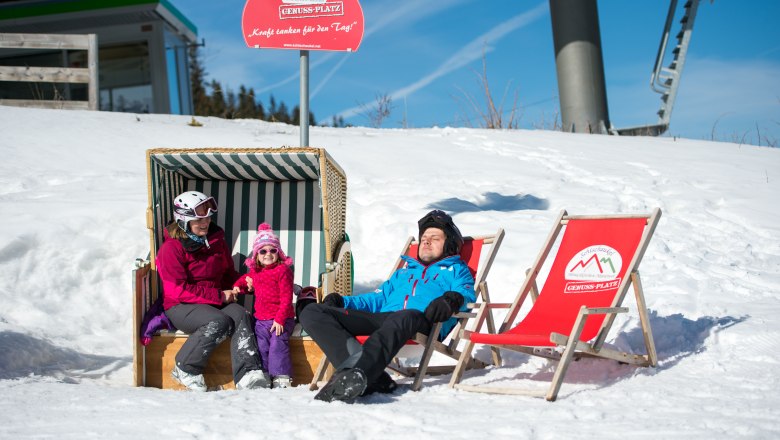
<point>279,166</point>
<point>281,187</point>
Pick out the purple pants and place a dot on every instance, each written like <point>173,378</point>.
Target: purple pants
<point>275,350</point>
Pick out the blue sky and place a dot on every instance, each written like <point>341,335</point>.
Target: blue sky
<point>427,57</point>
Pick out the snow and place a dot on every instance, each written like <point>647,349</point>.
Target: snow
<point>73,196</point>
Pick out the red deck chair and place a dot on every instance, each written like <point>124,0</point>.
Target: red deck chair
<point>591,271</point>
<point>473,253</point>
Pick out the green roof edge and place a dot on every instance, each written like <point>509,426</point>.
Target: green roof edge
<point>14,11</point>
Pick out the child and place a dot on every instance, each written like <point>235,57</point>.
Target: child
<point>271,278</point>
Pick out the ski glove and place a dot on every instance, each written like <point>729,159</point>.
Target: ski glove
<point>333,300</point>
<point>443,307</point>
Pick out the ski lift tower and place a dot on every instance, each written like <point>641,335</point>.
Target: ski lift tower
<point>665,80</point>
<point>580,67</point>
<point>581,86</point>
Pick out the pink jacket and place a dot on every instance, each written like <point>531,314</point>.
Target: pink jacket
<point>273,292</point>
<point>198,276</point>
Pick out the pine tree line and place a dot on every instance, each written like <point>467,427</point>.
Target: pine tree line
<point>229,105</point>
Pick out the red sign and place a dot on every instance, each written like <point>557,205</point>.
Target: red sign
<point>303,24</point>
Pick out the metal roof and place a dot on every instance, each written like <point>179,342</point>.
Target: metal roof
<point>52,16</point>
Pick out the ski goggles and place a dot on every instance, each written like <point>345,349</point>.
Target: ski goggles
<point>307,293</point>
<point>435,217</point>
<point>437,214</point>
<point>206,208</point>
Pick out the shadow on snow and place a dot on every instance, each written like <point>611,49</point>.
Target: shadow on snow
<point>24,355</point>
<point>491,201</point>
<point>676,338</point>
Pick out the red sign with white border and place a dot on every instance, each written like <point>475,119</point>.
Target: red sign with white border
<point>335,25</point>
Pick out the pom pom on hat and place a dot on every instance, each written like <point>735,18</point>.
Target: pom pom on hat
<point>266,237</point>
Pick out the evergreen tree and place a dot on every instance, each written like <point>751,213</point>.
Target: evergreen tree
<point>281,114</point>
<point>232,107</point>
<point>218,105</point>
<point>271,110</point>
<point>226,104</point>
<point>295,118</point>
<point>338,122</point>
<point>200,100</point>
<point>246,104</point>
<point>259,110</point>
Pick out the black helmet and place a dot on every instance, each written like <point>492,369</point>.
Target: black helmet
<point>441,220</point>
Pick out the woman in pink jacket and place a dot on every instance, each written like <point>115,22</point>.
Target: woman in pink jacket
<point>197,273</point>
<point>271,278</point>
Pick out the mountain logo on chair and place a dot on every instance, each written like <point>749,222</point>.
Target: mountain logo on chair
<point>593,269</point>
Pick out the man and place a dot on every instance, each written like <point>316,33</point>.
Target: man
<point>429,289</point>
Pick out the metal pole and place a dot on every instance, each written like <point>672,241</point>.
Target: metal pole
<point>580,67</point>
<point>304,115</point>
<point>92,65</point>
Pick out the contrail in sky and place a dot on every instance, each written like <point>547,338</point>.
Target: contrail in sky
<point>390,13</point>
<point>464,56</point>
<point>327,77</point>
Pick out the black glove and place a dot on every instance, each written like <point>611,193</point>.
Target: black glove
<point>333,300</point>
<point>443,307</point>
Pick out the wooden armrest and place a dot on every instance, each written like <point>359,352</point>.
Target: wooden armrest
<point>499,305</point>
<point>489,305</point>
<point>605,310</point>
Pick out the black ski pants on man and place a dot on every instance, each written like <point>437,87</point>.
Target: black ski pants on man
<point>207,327</point>
<point>334,330</point>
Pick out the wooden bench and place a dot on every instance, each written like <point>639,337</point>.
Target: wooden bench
<point>300,192</point>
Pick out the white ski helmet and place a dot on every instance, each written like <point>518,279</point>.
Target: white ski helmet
<point>192,205</point>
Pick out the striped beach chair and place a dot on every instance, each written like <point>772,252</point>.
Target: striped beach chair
<point>300,192</point>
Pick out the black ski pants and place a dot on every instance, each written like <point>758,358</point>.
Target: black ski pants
<point>334,330</point>
<point>208,326</point>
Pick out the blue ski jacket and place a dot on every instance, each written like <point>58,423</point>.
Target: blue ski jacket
<point>416,285</point>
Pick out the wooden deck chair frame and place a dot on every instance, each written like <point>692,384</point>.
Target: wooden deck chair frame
<point>301,192</point>
<point>448,348</point>
<point>571,343</point>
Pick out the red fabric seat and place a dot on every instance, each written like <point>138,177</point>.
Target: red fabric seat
<point>565,291</point>
<point>593,261</point>
<point>362,340</point>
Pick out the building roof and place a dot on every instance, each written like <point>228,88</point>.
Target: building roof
<point>47,16</point>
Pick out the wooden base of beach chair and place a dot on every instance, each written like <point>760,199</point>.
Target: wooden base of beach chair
<point>160,354</point>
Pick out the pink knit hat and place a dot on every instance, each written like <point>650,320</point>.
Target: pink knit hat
<point>265,237</point>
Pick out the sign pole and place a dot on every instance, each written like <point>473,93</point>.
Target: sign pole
<point>335,25</point>
<point>304,106</point>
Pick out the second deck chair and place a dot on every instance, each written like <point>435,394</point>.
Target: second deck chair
<point>592,269</point>
<point>478,252</point>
